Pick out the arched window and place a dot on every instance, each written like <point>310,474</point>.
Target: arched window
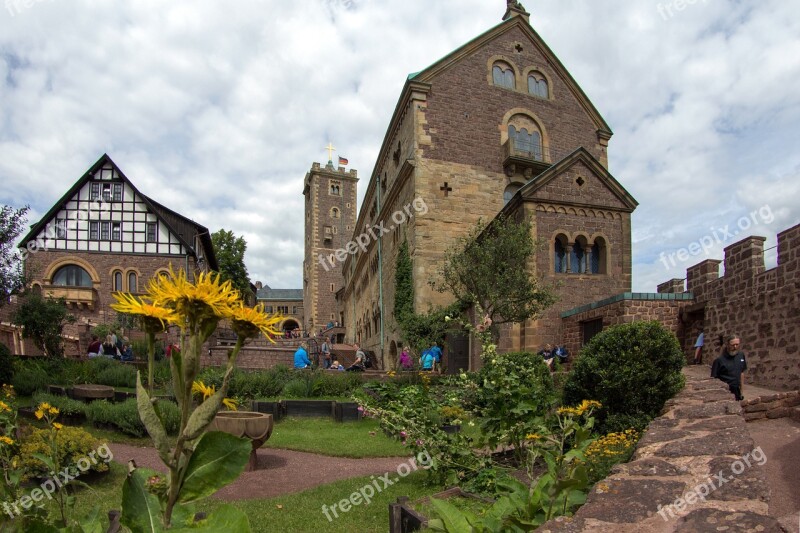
<point>526,142</point>
<point>578,257</point>
<point>598,264</point>
<point>560,255</point>
<point>503,75</point>
<point>132,282</point>
<point>334,212</point>
<point>118,281</point>
<point>537,85</point>
<point>510,191</point>
<point>72,276</point>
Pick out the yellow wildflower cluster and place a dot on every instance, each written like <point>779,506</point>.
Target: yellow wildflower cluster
<point>45,409</point>
<point>533,436</point>
<point>8,391</point>
<point>586,405</point>
<point>6,440</point>
<point>4,407</point>
<point>612,445</point>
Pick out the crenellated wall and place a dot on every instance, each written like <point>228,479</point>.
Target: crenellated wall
<point>759,305</point>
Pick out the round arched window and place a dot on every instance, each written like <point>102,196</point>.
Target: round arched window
<point>72,276</point>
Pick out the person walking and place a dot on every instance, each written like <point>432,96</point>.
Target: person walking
<point>698,349</point>
<point>730,366</point>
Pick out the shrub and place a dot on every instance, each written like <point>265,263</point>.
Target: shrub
<point>6,365</point>
<point>510,392</point>
<point>73,444</point>
<point>252,385</point>
<point>117,375</point>
<point>632,369</point>
<point>302,385</point>
<point>170,416</point>
<point>124,416</point>
<point>30,378</point>
<point>66,406</point>
<point>337,383</point>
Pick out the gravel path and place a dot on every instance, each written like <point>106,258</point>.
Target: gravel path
<point>279,471</point>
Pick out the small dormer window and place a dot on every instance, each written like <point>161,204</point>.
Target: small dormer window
<point>537,85</point>
<point>503,75</point>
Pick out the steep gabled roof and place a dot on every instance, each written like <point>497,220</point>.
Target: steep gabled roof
<point>427,74</point>
<point>583,156</point>
<point>279,294</point>
<point>183,228</point>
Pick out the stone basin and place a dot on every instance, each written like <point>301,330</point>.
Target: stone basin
<point>245,424</point>
<point>92,392</point>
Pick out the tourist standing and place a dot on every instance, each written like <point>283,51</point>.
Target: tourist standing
<point>698,349</point>
<point>730,366</point>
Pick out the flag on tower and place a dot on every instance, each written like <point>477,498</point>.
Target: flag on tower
<point>343,161</point>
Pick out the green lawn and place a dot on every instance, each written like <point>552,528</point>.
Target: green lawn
<point>297,512</point>
<point>339,439</point>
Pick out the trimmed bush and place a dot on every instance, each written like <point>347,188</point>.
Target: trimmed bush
<point>632,369</point>
<point>66,406</point>
<point>124,416</point>
<point>117,375</point>
<point>73,444</point>
<point>30,378</point>
<point>251,385</point>
<point>337,383</point>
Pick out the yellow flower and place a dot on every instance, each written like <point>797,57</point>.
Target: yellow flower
<point>8,391</point>
<point>4,406</point>
<point>149,313</point>
<point>53,410</point>
<point>6,440</point>
<point>249,321</point>
<point>44,406</point>
<point>533,436</point>
<point>39,414</point>
<point>57,425</point>
<point>198,387</point>
<point>191,300</point>
<point>231,404</point>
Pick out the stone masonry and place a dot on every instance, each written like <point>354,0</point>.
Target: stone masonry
<point>695,469</point>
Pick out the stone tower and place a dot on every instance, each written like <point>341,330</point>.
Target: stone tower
<point>330,208</point>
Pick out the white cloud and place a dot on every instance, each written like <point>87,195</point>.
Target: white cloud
<point>218,110</point>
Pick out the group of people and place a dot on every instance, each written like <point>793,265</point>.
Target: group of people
<point>302,361</point>
<point>429,361</point>
<point>113,347</point>
<point>552,353</point>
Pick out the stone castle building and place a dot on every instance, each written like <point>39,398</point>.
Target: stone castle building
<point>104,236</point>
<point>496,126</point>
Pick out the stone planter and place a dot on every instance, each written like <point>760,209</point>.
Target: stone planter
<point>91,392</point>
<point>245,424</point>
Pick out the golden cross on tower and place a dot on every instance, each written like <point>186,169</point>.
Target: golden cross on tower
<point>330,150</point>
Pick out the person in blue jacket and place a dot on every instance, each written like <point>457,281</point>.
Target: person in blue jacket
<point>301,357</point>
<point>436,352</point>
<point>427,361</point>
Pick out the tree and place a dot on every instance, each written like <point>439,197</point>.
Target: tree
<point>229,250</point>
<point>12,277</point>
<point>43,320</point>
<point>490,266</point>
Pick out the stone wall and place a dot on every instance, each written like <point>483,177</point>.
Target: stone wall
<point>622,309</point>
<point>783,404</point>
<point>673,482</point>
<point>761,306</point>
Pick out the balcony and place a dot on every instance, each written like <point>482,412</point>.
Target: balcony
<point>80,297</point>
<point>526,158</point>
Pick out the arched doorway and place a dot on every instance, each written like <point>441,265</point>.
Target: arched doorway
<point>290,324</point>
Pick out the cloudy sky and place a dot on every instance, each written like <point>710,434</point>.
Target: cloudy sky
<point>218,109</point>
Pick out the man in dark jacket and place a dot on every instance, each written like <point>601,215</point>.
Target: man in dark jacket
<point>730,366</point>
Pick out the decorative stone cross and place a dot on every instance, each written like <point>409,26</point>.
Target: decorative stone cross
<point>445,188</point>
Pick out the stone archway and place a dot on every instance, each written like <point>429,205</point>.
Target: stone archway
<point>289,324</point>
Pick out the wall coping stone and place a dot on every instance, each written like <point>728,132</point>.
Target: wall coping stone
<point>641,296</point>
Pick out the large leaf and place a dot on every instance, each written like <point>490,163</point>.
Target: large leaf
<point>151,421</point>
<point>141,511</point>
<point>218,459</point>
<point>225,518</point>
<point>453,519</point>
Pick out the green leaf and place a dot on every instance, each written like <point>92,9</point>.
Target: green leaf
<point>225,518</point>
<point>218,459</point>
<point>454,520</point>
<point>141,511</point>
<point>91,523</point>
<point>46,459</point>
<point>151,421</point>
